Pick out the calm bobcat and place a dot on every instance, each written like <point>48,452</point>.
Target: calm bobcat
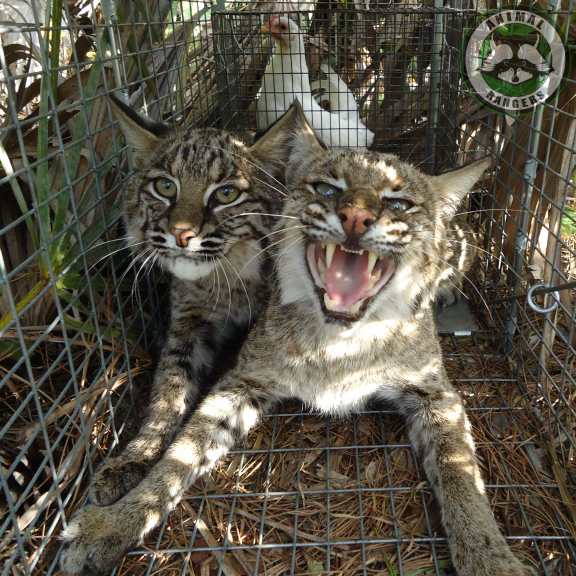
<point>350,312</point>
<point>201,203</point>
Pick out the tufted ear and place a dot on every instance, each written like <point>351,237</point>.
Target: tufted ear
<point>142,133</point>
<point>287,142</point>
<point>451,187</point>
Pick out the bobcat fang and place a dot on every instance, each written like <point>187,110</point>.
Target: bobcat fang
<point>347,279</point>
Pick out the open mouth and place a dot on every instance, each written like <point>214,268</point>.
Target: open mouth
<point>346,280</point>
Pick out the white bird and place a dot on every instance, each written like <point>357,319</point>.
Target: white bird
<point>334,91</point>
<point>286,78</point>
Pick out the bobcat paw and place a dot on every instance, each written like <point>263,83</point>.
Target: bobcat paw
<point>94,542</point>
<point>115,478</point>
<point>445,297</point>
<point>497,564</point>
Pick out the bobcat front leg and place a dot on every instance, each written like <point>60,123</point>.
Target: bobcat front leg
<point>186,360</point>
<point>440,432</point>
<point>97,538</point>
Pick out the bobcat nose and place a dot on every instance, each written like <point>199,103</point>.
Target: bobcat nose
<point>355,221</point>
<point>183,235</point>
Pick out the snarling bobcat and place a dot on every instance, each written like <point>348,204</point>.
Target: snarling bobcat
<point>348,321</point>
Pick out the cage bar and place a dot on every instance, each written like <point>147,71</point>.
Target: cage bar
<point>81,323</point>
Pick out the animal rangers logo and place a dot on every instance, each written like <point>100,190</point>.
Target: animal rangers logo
<point>514,59</point>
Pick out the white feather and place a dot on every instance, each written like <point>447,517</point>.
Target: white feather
<point>336,92</point>
<point>286,78</point>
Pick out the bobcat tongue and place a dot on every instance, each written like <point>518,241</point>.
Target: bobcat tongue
<point>346,279</point>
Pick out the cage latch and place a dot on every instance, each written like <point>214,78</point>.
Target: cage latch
<point>534,306</point>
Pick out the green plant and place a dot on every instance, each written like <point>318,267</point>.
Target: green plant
<point>61,154</point>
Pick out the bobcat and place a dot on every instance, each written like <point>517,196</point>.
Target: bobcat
<point>348,321</point>
<point>202,203</point>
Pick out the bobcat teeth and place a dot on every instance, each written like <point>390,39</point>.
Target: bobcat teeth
<point>322,270</point>
<point>373,279</point>
<point>330,304</point>
<point>330,249</point>
<point>322,245</point>
<point>372,258</point>
<point>359,252</point>
<point>354,308</point>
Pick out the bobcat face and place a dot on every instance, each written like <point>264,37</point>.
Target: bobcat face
<point>196,202</point>
<point>364,232</point>
<point>367,222</point>
<point>198,198</point>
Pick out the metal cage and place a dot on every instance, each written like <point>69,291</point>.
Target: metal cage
<point>81,325</point>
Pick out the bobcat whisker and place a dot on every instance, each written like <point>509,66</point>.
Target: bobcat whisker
<point>249,162</point>
<point>254,214</point>
<point>242,282</point>
<point>270,246</point>
<point>216,278</point>
<point>150,266</point>
<point>283,229</point>
<point>134,262</point>
<point>112,253</point>
<point>265,172</point>
<point>142,267</point>
<point>479,211</point>
<point>284,249</point>
<point>471,246</point>
<point>459,272</point>
<point>104,242</point>
<point>212,259</point>
<point>229,295</point>
<point>421,162</point>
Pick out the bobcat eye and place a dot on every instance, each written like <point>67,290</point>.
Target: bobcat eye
<point>399,205</point>
<point>227,194</point>
<point>165,187</point>
<point>325,189</point>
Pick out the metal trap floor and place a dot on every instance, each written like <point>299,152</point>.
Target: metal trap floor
<point>310,495</point>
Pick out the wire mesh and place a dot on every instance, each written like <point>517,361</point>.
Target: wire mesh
<point>80,324</point>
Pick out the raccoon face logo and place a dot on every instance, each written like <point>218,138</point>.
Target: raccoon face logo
<point>515,61</point>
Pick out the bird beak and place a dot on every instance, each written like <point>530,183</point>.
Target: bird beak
<point>265,29</point>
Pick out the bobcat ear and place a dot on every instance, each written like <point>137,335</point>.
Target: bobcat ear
<point>142,133</point>
<point>452,187</point>
<point>287,142</point>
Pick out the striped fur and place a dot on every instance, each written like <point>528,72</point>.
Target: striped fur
<point>335,362</point>
<point>219,280</point>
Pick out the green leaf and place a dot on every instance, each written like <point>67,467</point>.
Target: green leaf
<point>42,179</point>
<point>96,230</point>
<point>315,567</point>
<point>569,221</point>
<point>80,283</point>
<point>10,349</point>
<point>73,300</point>
<point>431,567</point>
<point>14,184</point>
<point>103,331</point>
<point>74,154</point>
<point>108,162</point>
<point>55,43</point>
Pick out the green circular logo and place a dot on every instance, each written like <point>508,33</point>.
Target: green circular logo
<point>514,59</point>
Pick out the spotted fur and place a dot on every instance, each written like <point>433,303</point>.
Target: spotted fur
<point>335,362</point>
<point>459,252</point>
<point>219,280</point>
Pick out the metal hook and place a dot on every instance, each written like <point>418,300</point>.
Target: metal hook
<point>535,306</point>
